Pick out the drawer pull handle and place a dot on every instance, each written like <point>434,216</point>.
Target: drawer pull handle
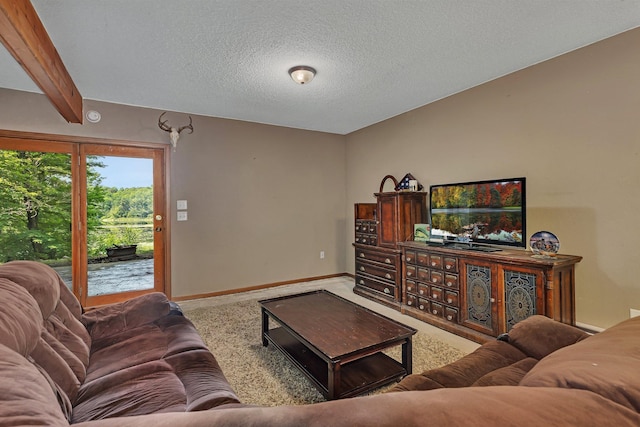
<point>435,311</point>
<point>362,255</point>
<point>361,268</point>
<point>409,274</point>
<point>387,291</point>
<point>493,300</point>
<point>449,300</point>
<point>448,267</point>
<point>388,276</point>
<point>387,260</point>
<point>408,259</point>
<point>434,280</point>
<point>421,292</point>
<point>449,283</point>
<point>449,317</point>
<point>362,282</point>
<point>421,307</point>
<point>433,264</point>
<point>409,303</point>
<point>409,289</point>
<point>434,296</point>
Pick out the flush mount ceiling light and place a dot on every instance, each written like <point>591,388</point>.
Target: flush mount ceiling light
<point>302,74</point>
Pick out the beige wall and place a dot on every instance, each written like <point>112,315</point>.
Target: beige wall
<point>263,200</point>
<point>571,125</point>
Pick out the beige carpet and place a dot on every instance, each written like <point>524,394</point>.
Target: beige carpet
<point>261,375</point>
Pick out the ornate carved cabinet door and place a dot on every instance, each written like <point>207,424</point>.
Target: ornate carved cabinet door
<point>480,296</point>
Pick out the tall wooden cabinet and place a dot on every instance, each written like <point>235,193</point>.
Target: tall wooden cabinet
<point>480,295</point>
<point>378,229</point>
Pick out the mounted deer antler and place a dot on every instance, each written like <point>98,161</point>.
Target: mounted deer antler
<point>174,133</point>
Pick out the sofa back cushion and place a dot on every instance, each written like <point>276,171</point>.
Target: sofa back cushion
<point>62,347</point>
<point>20,318</point>
<point>607,363</point>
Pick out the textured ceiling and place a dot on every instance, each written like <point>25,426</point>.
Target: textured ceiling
<point>375,59</point>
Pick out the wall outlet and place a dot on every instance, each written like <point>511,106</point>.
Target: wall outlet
<point>181,204</point>
<point>182,216</point>
<point>321,254</point>
<point>633,312</point>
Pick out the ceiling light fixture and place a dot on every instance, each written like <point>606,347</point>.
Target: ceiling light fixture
<point>302,74</point>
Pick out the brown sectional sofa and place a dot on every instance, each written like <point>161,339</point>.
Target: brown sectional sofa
<point>58,365</point>
<point>542,373</point>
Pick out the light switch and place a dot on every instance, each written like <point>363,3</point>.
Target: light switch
<point>182,216</point>
<point>182,204</point>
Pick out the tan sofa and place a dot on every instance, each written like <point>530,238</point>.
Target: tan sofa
<point>544,373</point>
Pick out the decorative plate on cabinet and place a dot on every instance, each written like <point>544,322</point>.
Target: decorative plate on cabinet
<point>544,244</point>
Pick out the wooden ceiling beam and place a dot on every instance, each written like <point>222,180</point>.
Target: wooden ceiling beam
<point>24,36</point>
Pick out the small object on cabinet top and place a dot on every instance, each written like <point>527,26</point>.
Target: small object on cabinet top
<point>405,184</point>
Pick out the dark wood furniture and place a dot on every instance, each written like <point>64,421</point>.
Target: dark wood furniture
<point>378,229</point>
<point>337,344</point>
<point>480,295</point>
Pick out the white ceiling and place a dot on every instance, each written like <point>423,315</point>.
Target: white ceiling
<point>375,58</point>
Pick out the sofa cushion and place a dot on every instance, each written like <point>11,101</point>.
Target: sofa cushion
<point>607,363</point>
<point>20,318</point>
<point>26,397</point>
<point>142,389</point>
<point>115,318</point>
<point>538,336</point>
<point>509,375</point>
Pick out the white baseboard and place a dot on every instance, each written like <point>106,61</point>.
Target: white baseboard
<point>589,328</point>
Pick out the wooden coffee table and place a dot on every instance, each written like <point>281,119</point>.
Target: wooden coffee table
<point>337,344</point>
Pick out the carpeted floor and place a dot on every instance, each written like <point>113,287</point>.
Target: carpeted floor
<point>261,375</point>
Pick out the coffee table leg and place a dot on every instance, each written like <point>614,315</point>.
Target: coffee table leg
<point>334,380</point>
<point>407,355</point>
<point>265,327</point>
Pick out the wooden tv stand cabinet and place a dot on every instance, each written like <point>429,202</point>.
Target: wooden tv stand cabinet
<point>480,295</point>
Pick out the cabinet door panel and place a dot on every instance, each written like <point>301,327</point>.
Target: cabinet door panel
<point>522,295</point>
<point>479,308</point>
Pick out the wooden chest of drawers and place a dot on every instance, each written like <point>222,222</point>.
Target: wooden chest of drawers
<point>378,274</point>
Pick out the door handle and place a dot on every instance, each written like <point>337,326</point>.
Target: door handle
<point>158,229</point>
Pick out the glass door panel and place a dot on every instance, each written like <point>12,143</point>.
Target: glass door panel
<point>36,209</point>
<point>120,234</point>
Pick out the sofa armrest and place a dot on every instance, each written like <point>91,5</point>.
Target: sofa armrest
<point>466,371</point>
<point>537,336</point>
<point>114,318</point>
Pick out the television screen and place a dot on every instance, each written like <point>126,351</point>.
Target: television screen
<point>491,212</point>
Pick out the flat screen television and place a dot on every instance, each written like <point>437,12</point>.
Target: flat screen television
<point>488,212</point>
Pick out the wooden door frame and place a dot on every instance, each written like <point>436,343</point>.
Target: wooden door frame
<point>32,141</point>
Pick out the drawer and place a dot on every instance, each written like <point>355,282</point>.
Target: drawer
<point>373,270</point>
<point>360,225</point>
<point>372,227</point>
<point>451,281</point>
<point>436,277</point>
<point>451,314</point>
<point>435,261</point>
<point>423,305</point>
<point>410,286</point>
<point>411,271</point>
<point>375,256</point>
<point>436,293</point>
<point>410,257</point>
<point>450,264</point>
<point>451,298</point>
<point>411,300</point>
<point>362,238</point>
<point>436,309</point>
<point>385,288</point>
<point>423,258</point>
<point>423,274</point>
<point>423,290</point>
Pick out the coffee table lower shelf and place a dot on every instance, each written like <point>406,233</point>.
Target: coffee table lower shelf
<point>356,377</point>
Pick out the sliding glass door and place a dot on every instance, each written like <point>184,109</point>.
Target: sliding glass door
<point>95,212</point>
